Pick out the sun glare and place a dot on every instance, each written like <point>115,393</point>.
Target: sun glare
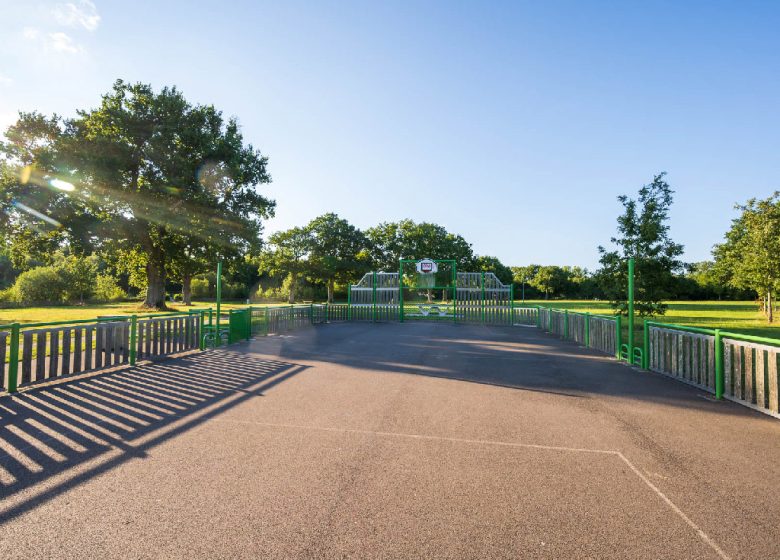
<point>62,185</point>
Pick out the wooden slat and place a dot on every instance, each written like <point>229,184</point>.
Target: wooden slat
<point>711,363</point>
<point>727,364</point>
<point>156,337</point>
<point>27,356</point>
<point>139,341</point>
<point>118,346</point>
<point>54,353</point>
<point>3,353</point>
<point>66,351</point>
<point>88,350</point>
<point>100,331</point>
<point>748,373</point>
<point>738,370</point>
<point>774,399</point>
<point>77,350</point>
<point>148,350</point>
<point>40,362</point>
<point>759,382</point>
<point>126,343</point>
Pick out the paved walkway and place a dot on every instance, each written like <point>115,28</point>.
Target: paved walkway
<point>404,441</point>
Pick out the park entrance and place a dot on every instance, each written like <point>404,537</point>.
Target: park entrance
<point>432,290</point>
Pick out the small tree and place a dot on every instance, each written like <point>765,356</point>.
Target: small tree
<point>644,236</point>
<point>750,255</point>
<point>338,251</point>
<point>288,256</point>
<point>78,275</point>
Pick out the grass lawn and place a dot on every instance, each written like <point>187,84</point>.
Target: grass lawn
<point>736,316</point>
<point>77,312</point>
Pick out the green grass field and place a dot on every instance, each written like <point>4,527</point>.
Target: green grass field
<point>79,312</point>
<point>736,316</point>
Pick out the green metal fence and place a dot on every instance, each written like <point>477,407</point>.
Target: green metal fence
<point>741,368</point>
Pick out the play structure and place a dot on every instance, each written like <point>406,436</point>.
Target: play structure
<point>431,289</point>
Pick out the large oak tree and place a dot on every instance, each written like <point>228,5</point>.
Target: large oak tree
<point>151,174</point>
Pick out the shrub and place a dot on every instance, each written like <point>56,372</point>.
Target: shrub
<point>79,276</point>
<point>200,288</point>
<point>107,289</point>
<point>178,297</point>
<point>44,284</point>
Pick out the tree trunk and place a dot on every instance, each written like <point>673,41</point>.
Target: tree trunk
<point>293,282</point>
<point>770,313</point>
<point>155,279</point>
<point>330,290</point>
<point>186,289</point>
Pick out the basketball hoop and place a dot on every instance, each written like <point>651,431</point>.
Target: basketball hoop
<point>426,273</point>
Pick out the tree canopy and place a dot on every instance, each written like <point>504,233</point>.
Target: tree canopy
<point>750,255</point>
<point>145,173</point>
<point>643,234</point>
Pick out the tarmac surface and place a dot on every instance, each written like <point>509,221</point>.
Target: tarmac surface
<point>422,440</point>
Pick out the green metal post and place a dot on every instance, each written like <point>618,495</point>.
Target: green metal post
<point>202,314</point>
<point>13,365</point>
<point>349,302</point>
<point>373,297</point>
<point>483,297</point>
<point>401,291</point>
<point>311,313</point>
<point>587,330</point>
<point>719,372</point>
<point>565,323</point>
<point>219,298</point>
<point>211,317</point>
<point>618,335</point>
<point>267,327</point>
<point>631,310</point>
<point>133,331</point>
<point>248,322</point>
<point>454,293</point>
<point>538,316</point>
<point>646,344</point>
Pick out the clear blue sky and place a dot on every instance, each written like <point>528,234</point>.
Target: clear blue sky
<point>514,124</point>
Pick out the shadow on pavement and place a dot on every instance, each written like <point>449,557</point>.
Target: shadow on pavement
<point>109,418</point>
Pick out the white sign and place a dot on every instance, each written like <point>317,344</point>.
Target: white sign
<point>427,266</point>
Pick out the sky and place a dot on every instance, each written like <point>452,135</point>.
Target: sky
<point>514,124</point>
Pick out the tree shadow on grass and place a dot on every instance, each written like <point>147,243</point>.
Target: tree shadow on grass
<point>88,426</point>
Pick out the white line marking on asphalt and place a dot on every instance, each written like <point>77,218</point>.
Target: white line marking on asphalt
<point>702,535</point>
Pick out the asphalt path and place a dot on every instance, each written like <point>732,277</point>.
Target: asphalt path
<point>420,440</point>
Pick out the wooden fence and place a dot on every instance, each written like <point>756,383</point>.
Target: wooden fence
<point>50,352</point>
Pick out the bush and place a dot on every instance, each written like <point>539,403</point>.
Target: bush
<point>44,284</point>
<point>107,289</point>
<point>200,288</point>
<point>178,297</point>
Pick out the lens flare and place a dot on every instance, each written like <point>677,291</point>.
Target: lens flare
<point>62,185</point>
<point>35,213</point>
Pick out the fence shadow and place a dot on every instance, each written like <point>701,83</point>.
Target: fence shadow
<point>117,416</point>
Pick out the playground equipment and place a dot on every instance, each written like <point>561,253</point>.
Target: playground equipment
<point>431,289</point>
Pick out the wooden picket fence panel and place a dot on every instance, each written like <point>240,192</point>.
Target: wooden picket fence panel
<point>751,374</point>
<point>524,315</point>
<point>163,336</point>
<point>686,356</point>
<point>603,335</point>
